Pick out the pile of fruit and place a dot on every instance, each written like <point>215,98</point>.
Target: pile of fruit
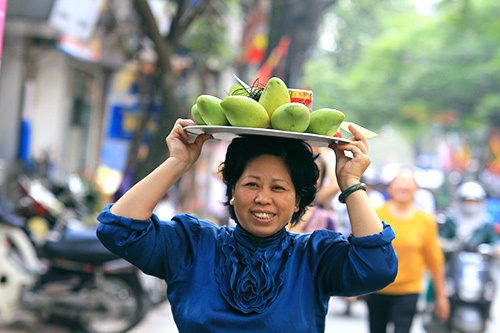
<point>268,107</point>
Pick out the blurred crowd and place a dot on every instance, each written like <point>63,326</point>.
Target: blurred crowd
<point>201,191</point>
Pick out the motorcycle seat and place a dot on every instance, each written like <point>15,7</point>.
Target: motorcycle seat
<point>82,247</point>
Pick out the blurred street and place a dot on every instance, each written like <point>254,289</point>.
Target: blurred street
<point>160,319</point>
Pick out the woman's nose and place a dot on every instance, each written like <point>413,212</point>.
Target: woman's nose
<point>263,197</point>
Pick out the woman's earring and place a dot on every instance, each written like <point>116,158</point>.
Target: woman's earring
<point>231,202</point>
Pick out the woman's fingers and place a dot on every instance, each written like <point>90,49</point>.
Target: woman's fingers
<point>357,135</point>
<point>200,139</point>
<point>180,124</point>
<point>355,147</point>
<point>353,166</point>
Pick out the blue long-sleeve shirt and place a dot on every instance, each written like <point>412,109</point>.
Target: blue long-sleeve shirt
<point>223,279</point>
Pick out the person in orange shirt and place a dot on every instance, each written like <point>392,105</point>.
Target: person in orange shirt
<point>417,247</point>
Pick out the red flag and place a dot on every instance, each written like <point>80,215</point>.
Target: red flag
<point>266,71</point>
<point>254,39</point>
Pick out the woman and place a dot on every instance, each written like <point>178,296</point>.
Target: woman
<point>256,276</point>
<point>417,246</point>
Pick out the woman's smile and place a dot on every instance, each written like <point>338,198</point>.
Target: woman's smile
<point>264,217</point>
<point>264,196</point>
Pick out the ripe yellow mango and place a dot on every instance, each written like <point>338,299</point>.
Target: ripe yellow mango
<point>325,121</point>
<point>195,113</point>
<point>244,111</point>
<point>211,110</point>
<point>292,117</point>
<point>274,95</point>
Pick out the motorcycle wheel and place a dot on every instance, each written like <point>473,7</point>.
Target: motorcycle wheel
<point>118,302</point>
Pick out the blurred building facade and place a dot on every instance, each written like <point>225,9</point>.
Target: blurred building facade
<point>56,65</point>
<point>68,73</point>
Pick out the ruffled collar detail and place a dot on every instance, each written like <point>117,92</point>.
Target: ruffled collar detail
<point>254,243</point>
<point>250,270</point>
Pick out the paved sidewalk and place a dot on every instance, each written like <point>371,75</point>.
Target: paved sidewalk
<point>161,320</point>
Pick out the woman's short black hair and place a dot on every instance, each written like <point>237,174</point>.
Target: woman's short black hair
<point>296,154</point>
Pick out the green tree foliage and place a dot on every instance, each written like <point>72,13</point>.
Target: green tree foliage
<point>208,41</point>
<point>391,64</point>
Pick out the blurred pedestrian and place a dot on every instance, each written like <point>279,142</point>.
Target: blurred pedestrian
<point>256,276</point>
<point>328,186</point>
<point>468,222</point>
<point>316,217</point>
<point>417,246</point>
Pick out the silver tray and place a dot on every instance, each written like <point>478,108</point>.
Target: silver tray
<point>230,132</point>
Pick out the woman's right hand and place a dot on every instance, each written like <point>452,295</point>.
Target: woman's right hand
<point>350,169</point>
<point>180,147</point>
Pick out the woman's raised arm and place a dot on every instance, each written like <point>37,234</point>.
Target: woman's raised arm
<point>141,199</point>
<point>364,219</point>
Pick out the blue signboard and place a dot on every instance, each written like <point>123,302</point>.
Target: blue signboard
<point>124,120</point>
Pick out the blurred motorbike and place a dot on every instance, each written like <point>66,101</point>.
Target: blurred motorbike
<point>53,267</point>
<point>471,290</point>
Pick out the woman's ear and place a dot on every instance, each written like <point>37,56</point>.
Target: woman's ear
<point>297,205</point>
<point>231,202</point>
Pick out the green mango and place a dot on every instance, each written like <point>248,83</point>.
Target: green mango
<point>275,94</point>
<point>195,113</point>
<point>244,111</point>
<point>211,110</point>
<point>292,117</point>
<point>237,89</point>
<point>325,121</point>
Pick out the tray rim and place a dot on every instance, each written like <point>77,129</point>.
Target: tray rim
<point>230,132</point>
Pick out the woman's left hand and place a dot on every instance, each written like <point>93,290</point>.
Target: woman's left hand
<point>442,308</point>
<point>350,169</point>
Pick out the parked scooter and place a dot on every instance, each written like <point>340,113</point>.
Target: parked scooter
<point>471,290</point>
<point>68,274</point>
<point>53,208</point>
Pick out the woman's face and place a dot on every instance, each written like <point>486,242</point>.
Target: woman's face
<point>403,187</point>
<point>264,196</point>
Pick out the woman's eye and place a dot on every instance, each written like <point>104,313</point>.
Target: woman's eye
<point>279,188</point>
<point>251,184</point>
